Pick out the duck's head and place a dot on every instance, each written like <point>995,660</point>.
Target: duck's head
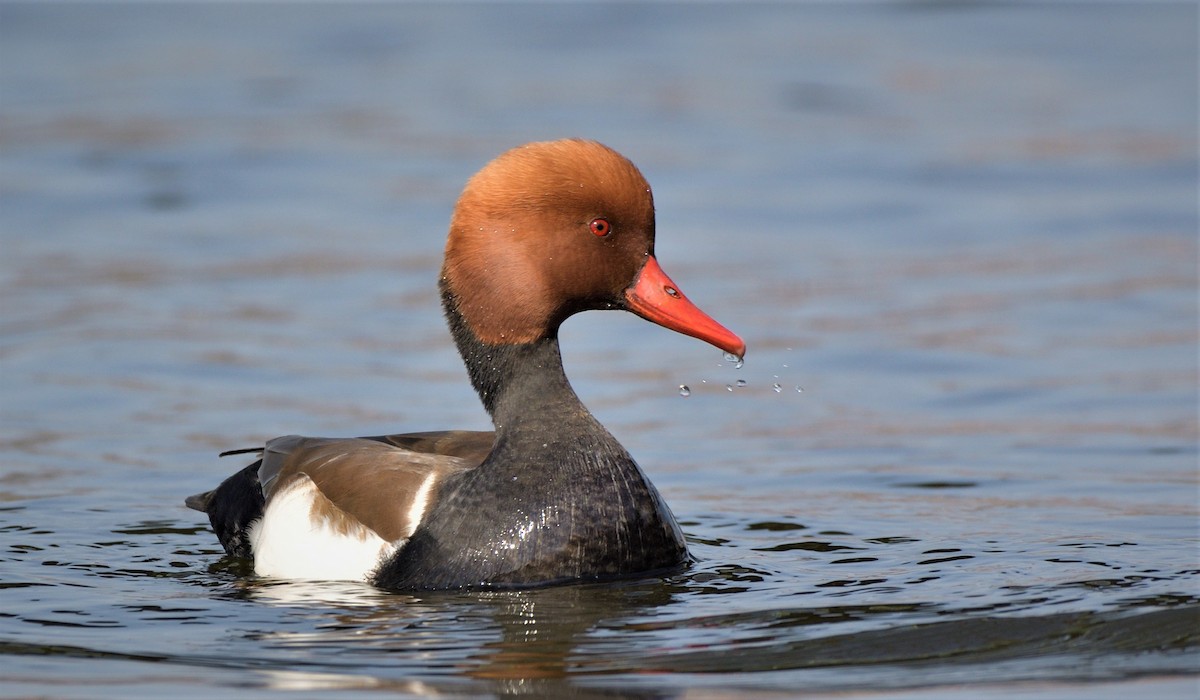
<point>550,229</point>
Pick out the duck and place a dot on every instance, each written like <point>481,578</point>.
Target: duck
<point>542,232</point>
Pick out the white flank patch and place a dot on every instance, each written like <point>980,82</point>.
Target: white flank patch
<point>420,502</point>
<point>288,543</point>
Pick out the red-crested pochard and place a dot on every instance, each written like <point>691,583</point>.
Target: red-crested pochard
<point>542,232</point>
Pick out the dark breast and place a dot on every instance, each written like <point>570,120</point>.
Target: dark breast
<point>493,528</point>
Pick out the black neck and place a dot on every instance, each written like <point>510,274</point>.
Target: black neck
<point>518,383</point>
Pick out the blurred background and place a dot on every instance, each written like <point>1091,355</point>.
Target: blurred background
<point>960,240</point>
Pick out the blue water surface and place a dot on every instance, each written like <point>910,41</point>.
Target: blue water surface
<point>960,240</point>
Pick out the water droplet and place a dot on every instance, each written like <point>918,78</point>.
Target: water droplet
<point>684,390</point>
<point>737,361</point>
<point>728,387</point>
<point>799,390</point>
<point>777,387</point>
<point>740,383</point>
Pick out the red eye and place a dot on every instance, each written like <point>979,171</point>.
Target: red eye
<point>601,227</point>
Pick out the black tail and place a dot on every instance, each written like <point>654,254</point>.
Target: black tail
<point>199,501</point>
<point>232,507</point>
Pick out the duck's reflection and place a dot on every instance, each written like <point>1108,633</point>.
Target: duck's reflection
<point>542,630</point>
<point>521,642</point>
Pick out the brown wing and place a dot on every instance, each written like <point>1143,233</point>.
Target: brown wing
<point>380,485</point>
<point>471,445</point>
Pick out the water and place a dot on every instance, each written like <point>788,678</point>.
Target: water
<point>968,232</point>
